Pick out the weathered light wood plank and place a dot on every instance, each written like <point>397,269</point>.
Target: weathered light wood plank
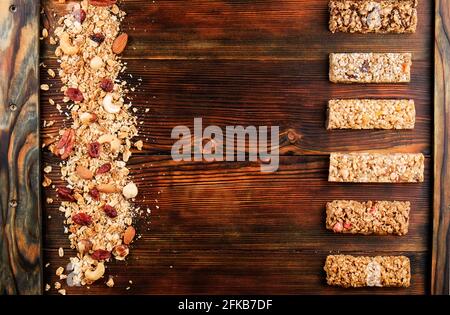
<point>20,217</point>
<point>440,280</point>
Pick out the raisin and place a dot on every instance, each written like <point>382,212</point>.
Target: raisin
<point>66,194</point>
<point>75,94</point>
<point>82,218</point>
<point>94,193</point>
<point>97,37</point>
<point>365,67</point>
<point>105,168</point>
<point>101,254</point>
<point>79,15</point>
<point>110,211</point>
<point>94,149</point>
<point>107,85</point>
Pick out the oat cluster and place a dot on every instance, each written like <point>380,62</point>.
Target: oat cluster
<point>97,198</point>
<point>369,16</point>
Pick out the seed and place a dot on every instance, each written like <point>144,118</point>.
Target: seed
<point>45,87</point>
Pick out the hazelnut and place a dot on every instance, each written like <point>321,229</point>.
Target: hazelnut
<point>96,62</point>
<point>130,190</point>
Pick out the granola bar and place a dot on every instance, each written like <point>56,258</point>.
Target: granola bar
<point>371,114</point>
<point>371,217</point>
<point>370,67</point>
<point>361,271</point>
<point>376,167</point>
<point>369,16</point>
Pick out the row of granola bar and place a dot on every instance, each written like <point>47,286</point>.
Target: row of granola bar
<point>371,217</point>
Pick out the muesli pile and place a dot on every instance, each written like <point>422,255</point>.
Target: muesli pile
<point>95,149</point>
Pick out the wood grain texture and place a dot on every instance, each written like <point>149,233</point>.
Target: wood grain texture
<point>441,221</point>
<point>248,29</point>
<point>20,217</point>
<point>226,227</point>
<point>289,94</point>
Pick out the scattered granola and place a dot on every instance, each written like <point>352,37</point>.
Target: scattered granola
<point>95,201</point>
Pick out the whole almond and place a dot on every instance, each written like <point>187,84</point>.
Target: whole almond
<point>120,43</point>
<point>106,188</point>
<point>84,172</point>
<point>128,235</point>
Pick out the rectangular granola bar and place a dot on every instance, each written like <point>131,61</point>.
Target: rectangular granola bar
<point>371,217</point>
<point>361,271</point>
<point>371,114</point>
<point>370,67</point>
<point>369,16</point>
<point>376,167</point>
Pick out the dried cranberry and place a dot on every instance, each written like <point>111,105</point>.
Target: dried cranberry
<point>94,149</point>
<point>105,168</point>
<point>107,85</point>
<point>94,193</point>
<point>66,194</point>
<point>97,37</point>
<point>347,225</point>
<point>101,254</point>
<point>110,211</point>
<point>82,218</point>
<point>79,15</point>
<point>75,94</point>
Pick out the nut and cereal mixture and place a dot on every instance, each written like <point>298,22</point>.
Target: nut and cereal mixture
<point>97,198</point>
<point>376,167</point>
<point>369,16</point>
<point>370,67</point>
<point>371,217</point>
<point>371,114</point>
<point>361,271</point>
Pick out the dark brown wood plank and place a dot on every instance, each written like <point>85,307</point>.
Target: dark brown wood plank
<point>440,281</point>
<point>225,212</point>
<point>227,271</point>
<point>20,217</point>
<point>226,227</point>
<point>257,29</point>
<point>289,94</point>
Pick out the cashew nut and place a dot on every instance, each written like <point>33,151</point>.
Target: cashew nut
<point>109,106</point>
<point>113,141</point>
<point>97,273</point>
<point>66,45</point>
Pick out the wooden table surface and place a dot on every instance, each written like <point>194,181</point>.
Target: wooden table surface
<point>225,227</point>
